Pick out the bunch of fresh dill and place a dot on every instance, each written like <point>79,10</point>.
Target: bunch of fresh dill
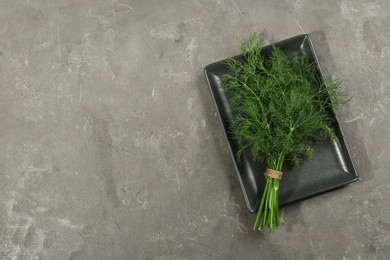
<point>282,107</point>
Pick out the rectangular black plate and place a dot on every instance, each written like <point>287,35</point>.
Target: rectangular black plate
<point>331,166</point>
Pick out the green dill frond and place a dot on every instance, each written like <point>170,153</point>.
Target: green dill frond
<point>281,103</point>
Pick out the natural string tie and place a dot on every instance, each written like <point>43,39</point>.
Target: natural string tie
<point>273,174</point>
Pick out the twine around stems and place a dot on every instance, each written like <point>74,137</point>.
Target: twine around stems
<point>273,174</point>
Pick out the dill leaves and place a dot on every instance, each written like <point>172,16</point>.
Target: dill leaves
<point>282,107</point>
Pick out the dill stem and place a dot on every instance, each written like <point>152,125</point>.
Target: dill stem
<point>268,213</point>
<point>258,218</point>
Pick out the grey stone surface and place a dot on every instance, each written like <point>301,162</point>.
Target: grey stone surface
<point>110,146</point>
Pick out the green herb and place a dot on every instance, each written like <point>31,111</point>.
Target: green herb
<point>282,108</point>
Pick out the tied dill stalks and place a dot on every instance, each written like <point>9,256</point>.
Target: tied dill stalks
<point>282,107</point>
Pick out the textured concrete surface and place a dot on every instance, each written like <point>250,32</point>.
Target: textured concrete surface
<point>110,146</point>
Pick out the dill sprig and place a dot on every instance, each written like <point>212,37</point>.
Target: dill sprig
<point>282,107</point>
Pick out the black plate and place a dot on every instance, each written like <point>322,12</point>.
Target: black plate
<point>330,168</point>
